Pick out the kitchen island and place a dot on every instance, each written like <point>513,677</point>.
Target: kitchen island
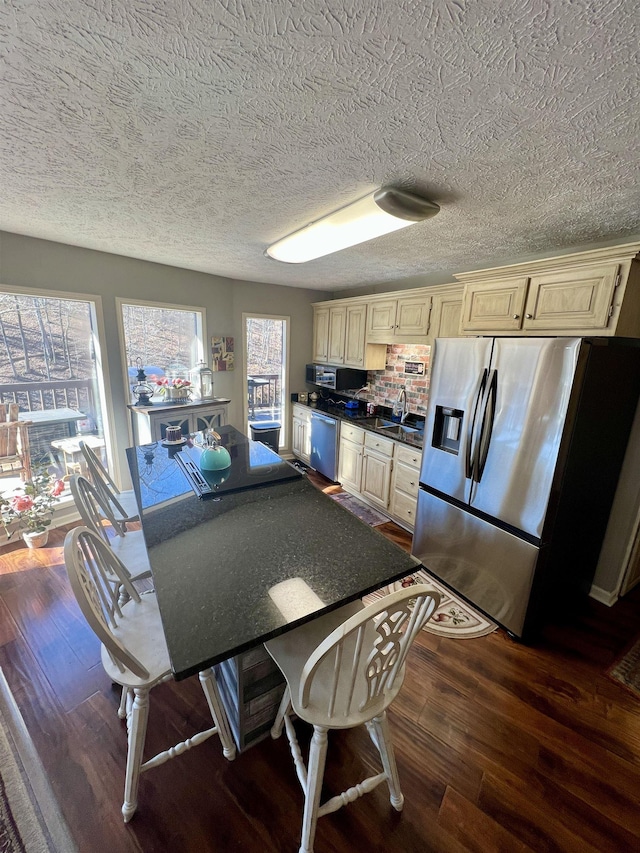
<point>264,553</point>
<point>254,560</point>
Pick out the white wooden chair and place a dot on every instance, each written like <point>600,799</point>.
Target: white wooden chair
<point>124,504</point>
<point>97,514</point>
<point>343,670</point>
<point>134,652</point>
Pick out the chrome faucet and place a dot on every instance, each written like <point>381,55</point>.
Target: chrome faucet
<point>402,398</point>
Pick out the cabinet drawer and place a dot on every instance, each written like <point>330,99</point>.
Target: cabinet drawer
<point>409,456</point>
<point>302,413</point>
<point>407,479</point>
<point>351,433</point>
<point>404,507</point>
<point>373,441</point>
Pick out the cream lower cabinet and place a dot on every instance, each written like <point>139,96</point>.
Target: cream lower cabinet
<point>301,433</point>
<point>350,457</point>
<point>377,465</point>
<point>405,484</point>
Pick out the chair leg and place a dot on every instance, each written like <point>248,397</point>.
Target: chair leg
<point>122,710</point>
<point>384,743</point>
<point>137,716</point>
<point>315,774</point>
<point>210,690</point>
<point>285,704</point>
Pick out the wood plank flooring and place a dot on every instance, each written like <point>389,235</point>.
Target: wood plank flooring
<point>500,746</point>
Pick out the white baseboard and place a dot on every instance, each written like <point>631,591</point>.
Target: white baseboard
<point>603,595</point>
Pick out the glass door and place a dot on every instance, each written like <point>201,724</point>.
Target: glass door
<point>266,345</point>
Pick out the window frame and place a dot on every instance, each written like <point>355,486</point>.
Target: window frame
<point>285,429</point>
<point>204,346</point>
<point>103,379</point>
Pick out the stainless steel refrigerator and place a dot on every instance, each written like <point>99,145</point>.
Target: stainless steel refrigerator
<point>524,442</point>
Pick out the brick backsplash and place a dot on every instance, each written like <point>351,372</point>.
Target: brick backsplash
<point>386,385</point>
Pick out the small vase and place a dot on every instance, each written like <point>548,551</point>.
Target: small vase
<point>177,395</point>
<point>36,540</point>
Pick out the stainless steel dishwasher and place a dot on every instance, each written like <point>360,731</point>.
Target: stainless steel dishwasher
<point>324,445</point>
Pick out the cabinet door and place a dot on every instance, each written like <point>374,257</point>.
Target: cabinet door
<point>412,318</point>
<point>354,347</point>
<point>208,419</point>
<point>376,478</point>
<point>489,307</point>
<point>573,299</point>
<point>320,334</point>
<point>297,437</point>
<point>446,314</point>
<point>159,424</point>
<point>337,319</point>
<point>381,320</point>
<point>350,469</point>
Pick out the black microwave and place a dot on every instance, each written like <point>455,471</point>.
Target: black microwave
<point>336,378</point>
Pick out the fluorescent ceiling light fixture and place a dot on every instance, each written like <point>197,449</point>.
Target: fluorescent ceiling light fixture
<point>380,212</point>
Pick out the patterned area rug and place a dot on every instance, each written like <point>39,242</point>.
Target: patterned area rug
<point>627,669</point>
<point>454,618</point>
<point>365,513</point>
<point>30,819</point>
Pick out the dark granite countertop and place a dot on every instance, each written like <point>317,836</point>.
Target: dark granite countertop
<point>360,418</point>
<point>164,406</point>
<point>241,568</point>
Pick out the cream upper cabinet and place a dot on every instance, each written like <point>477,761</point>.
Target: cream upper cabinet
<point>595,292</point>
<point>339,334</point>
<point>571,299</point>
<point>321,334</point>
<point>355,328</point>
<point>402,320</point>
<point>446,313</point>
<point>328,333</point>
<point>488,306</point>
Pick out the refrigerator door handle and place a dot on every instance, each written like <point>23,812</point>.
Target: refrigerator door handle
<point>486,425</point>
<point>472,436</point>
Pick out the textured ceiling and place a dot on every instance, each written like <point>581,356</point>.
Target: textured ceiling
<point>195,133</point>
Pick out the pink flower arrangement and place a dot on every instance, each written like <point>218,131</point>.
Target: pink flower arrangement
<point>32,508</point>
<point>177,384</point>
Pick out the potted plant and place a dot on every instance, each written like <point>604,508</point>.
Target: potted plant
<point>174,390</point>
<point>30,510</point>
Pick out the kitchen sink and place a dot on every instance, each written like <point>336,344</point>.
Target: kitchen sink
<point>391,428</point>
<point>398,429</point>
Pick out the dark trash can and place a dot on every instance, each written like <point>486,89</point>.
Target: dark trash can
<point>268,432</point>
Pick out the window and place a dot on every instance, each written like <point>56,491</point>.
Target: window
<point>169,341</point>
<point>50,368</point>
<point>266,371</point>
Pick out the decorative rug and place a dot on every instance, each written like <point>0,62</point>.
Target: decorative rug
<point>453,618</point>
<point>626,670</point>
<point>365,513</point>
<point>30,819</point>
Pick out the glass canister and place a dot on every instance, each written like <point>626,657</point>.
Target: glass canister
<point>202,378</point>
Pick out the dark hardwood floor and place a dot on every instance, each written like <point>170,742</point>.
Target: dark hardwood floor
<point>500,746</point>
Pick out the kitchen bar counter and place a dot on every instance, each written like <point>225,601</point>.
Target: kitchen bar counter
<point>238,569</point>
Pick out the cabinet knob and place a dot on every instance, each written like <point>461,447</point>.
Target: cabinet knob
<point>528,316</point>
<point>516,316</point>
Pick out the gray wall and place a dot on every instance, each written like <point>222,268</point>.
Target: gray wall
<point>28,262</point>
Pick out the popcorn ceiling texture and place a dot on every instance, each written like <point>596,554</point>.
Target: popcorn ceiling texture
<point>197,133</point>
